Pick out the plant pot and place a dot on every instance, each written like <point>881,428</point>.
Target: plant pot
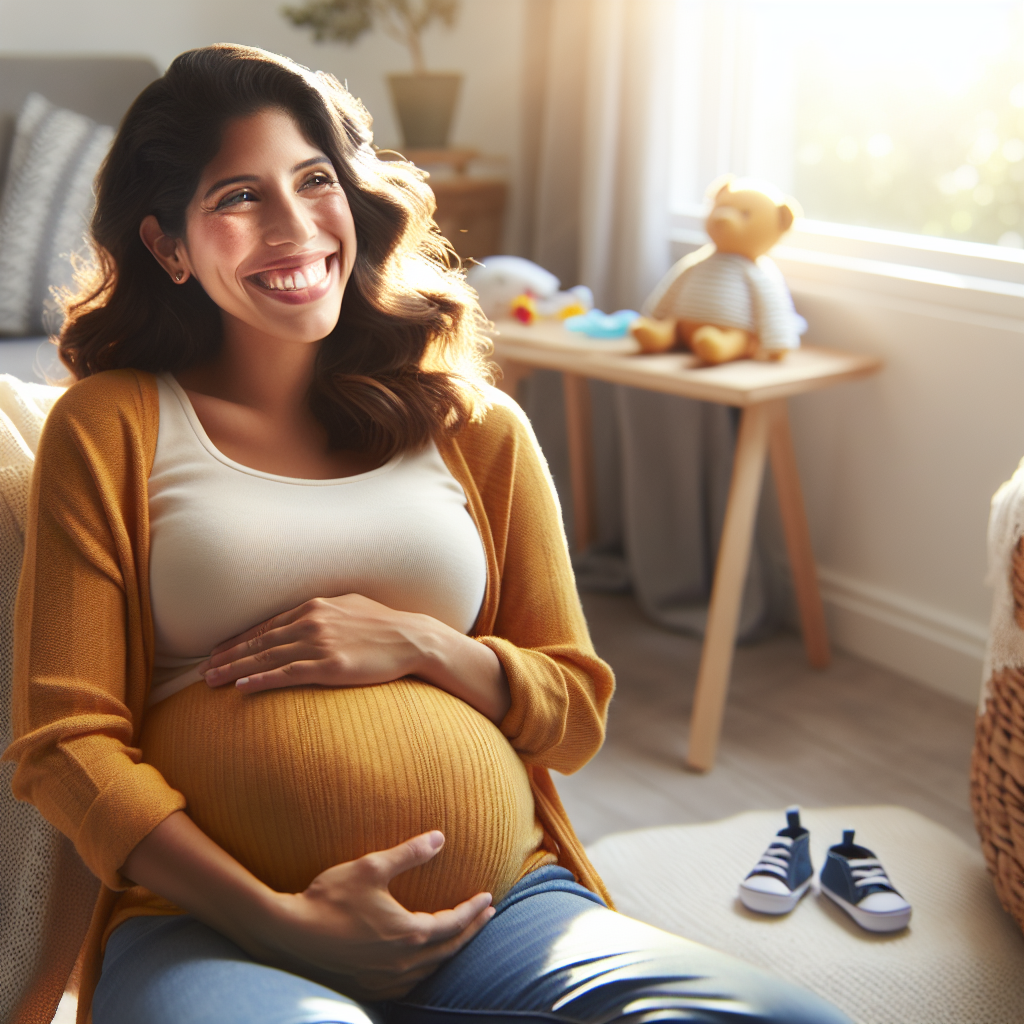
<point>425,104</point>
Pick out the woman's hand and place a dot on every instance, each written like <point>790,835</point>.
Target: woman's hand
<point>349,926</point>
<point>354,641</point>
<point>337,641</point>
<point>346,930</point>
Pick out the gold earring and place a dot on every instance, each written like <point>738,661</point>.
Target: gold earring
<point>179,275</point>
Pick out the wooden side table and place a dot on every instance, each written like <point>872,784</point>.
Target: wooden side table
<point>760,390</point>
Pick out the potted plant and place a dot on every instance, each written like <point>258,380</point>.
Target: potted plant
<point>424,100</point>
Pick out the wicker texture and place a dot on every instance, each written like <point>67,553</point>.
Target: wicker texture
<point>997,767</point>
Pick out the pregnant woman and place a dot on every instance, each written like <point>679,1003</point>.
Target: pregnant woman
<point>297,634</point>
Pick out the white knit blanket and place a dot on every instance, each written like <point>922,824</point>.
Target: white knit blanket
<point>23,410</point>
<point>41,879</point>
<point>1005,528</point>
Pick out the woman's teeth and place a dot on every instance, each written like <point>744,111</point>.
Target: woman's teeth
<point>294,280</point>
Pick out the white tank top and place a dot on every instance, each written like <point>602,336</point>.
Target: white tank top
<point>230,546</point>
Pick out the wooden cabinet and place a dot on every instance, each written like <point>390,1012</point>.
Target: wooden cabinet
<point>470,209</point>
<point>471,214</point>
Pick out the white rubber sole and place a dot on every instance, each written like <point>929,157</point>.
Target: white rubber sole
<point>770,902</point>
<point>893,921</point>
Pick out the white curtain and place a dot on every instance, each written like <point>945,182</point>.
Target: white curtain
<point>594,202</point>
<point>594,207</point>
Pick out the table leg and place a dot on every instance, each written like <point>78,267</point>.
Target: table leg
<point>727,590</point>
<point>798,540</point>
<point>581,458</point>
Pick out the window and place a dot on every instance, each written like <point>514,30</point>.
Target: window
<point>879,116</point>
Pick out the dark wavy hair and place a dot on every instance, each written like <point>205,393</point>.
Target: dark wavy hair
<point>403,363</point>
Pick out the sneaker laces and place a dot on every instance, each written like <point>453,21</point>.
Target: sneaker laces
<point>869,871</point>
<point>775,860</point>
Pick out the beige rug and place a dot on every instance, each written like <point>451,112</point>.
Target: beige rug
<point>961,961</point>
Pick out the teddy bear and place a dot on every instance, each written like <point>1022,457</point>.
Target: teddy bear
<point>728,300</point>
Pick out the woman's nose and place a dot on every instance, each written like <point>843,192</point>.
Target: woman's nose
<point>288,221</point>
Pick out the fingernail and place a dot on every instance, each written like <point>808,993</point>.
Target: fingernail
<point>490,913</point>
<point>436,839</point>
<point>239,682</point>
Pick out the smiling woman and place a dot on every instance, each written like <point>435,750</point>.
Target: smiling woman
<point>270,237</point>
<point>201,180</point>
<point>297,634</point>
<point>237,227</point>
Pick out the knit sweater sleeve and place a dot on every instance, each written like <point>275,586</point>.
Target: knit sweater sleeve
<point>532,619</point>
<point>773,307</point>
<point>83,634</point>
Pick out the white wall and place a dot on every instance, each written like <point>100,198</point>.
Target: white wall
<point>898,470</point>
<point>485,45</point>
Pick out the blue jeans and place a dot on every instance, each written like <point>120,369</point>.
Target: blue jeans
<point>552,952</point>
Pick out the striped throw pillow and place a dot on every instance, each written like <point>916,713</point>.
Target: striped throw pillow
<point>44,211</point>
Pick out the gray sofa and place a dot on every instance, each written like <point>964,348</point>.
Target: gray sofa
<point>98,87</point>
<point>46,894</point>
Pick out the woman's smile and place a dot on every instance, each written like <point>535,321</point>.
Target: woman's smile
<point>304,279</point>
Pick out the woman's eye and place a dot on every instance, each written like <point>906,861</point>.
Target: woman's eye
<point>318,180</point>
<point>243,195</point>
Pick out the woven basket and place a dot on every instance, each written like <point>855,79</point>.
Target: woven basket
<point>997,769</point>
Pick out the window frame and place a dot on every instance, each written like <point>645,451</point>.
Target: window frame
<point>971,276</point>
<point>715,111</point>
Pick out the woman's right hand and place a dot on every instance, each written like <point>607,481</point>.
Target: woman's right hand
<point>346,930</point>
<point>348,926</point>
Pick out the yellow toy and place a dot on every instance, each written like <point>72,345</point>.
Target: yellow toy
<point>524,308</point>
<point>728,300</point>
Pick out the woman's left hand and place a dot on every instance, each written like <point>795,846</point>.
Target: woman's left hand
<point>354,641</point>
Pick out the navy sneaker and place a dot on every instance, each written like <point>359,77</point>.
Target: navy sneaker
<point>854,878</point>
<point>784,872</point>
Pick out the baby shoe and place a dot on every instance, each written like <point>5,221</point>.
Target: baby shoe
<point>854,878</point>
<point>784,872</point>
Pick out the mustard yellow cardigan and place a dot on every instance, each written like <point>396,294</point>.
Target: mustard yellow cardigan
<point>84,630</point>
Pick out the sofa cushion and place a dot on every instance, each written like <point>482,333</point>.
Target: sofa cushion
<point>44,211</point>
<point>960,960</point>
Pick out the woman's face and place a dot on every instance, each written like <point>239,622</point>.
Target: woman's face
<point>269,233</point>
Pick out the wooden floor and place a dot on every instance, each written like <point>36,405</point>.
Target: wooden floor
<point>854,734</point>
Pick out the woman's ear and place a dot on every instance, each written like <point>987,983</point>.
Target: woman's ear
<point>168,251</point>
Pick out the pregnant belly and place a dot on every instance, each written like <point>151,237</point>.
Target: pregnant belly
<point>293,781</point>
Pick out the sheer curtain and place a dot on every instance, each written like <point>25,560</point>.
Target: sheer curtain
<point>597,143</point>
<point>594,207</point>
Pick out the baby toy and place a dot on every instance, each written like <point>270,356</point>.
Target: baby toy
<point>728,300</point>
<point>596,324</point>
<point>513,286</point>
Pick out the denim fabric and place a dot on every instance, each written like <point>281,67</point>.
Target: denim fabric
<point>552,952</point>
<point>835,875</point>
<point>800,867</point>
